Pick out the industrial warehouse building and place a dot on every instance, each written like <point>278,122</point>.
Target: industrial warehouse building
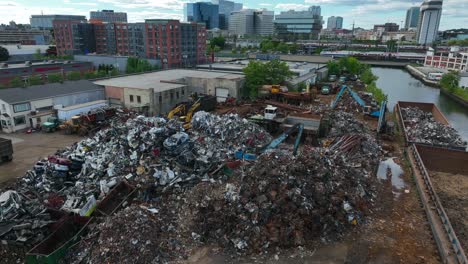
<point>22,108</point>
<point>157,93</point>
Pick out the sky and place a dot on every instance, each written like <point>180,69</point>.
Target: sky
<point>364,13</point>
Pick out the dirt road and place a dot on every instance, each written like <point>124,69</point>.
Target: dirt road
<point>29,148</point>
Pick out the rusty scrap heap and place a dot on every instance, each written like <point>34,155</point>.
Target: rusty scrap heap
<point>423,128</point>
<point>185,200</point>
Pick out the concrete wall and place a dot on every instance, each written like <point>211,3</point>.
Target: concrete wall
<point>165,101</point>
<point>208,86</point>
<point>463,82</point>
<point>81,98</point>
<point>118,62</point>
<point>145,96</point>
<point>113,92</point>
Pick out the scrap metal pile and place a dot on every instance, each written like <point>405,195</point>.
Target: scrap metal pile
<point>284,201</point>
<point>345,123</point>
<point>423,128</point>
<point>276,201</point>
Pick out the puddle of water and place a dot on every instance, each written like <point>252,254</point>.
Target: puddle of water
<point>395,176</point>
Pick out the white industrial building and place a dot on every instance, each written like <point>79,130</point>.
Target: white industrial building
<point>453,60</point>
<point>22,108</point>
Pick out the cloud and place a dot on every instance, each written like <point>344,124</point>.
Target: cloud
<point>140,16</point>
<point>291,7</point>
<point>133,4</point>
<point>20,13</point>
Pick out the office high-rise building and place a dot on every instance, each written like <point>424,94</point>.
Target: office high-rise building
<point>251,22</point>
<point>429,20</point>
<point>412,18</point>
<point>202,12</point>
<point>315,10</point>
<point>335,23</point>
<point>225,10</point>
<point>293,25</point>
<point>108,16</point>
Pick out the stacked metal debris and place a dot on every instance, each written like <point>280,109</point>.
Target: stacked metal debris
<point>136,234</point>
<point>343,123</point>
<point>421,127</point>
<point>150,151</point>
<point>285,201</point>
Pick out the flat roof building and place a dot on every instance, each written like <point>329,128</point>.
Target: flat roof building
<point>158,92</point>
<point>108,16</point>
<point>45,21</point>
<point>22,108</point>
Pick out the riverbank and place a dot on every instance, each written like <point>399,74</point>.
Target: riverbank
<point>421,76</point>
<point>400,85</point>
<point>454,97</point>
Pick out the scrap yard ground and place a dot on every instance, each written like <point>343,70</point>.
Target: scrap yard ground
<point>28,149</point>
<point>395,230</point>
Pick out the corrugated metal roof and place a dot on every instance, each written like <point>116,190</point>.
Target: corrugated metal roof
<point>37,92</point>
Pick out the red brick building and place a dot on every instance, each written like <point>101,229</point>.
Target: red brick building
<point>174,43</point>
<point>64,36</point>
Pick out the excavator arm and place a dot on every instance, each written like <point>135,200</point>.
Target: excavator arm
<point>176,110</point>
<point>275,142</point>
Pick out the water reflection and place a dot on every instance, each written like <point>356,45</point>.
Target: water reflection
<point>401,86</point>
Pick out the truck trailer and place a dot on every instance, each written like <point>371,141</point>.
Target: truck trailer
<point>6,150</point>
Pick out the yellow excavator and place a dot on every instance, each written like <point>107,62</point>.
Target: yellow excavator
<point>185,116</point>
<point>180,109</point>
<point>188,118</point>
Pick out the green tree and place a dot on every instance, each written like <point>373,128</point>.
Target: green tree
<point>333,68</point>
<point>218,41</point>
<point>38,55</point>
<point>35,80</point>
<point>114,72</point>
<point>74,76</point>
<point>4,55</point>
<point>258,73</point>
<point>449,81</point>
<point>368,77</point>
<point>391,45</point>
<point>16,82</point>
<point>282,47</point>
<point>90,75</point>
<point>293,48</point>
<point>135,65</point>
<point>55,78</point>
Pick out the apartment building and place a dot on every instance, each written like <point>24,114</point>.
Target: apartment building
<point>174,43</point>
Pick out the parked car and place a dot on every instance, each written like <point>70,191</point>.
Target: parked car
<point>353,77</point>
<point>332,78</point>
<point>325,90</point>
<point>343,79</point>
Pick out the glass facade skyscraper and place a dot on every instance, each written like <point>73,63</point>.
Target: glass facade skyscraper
<point>202,12</point>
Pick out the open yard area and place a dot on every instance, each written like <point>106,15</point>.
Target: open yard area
<point>29,148</point>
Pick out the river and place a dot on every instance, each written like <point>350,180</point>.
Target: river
<point>399,85</point>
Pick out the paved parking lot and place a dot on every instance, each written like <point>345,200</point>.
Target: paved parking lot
<point>29,148</point>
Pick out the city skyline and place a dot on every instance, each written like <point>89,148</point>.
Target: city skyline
<point>364,13</point>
